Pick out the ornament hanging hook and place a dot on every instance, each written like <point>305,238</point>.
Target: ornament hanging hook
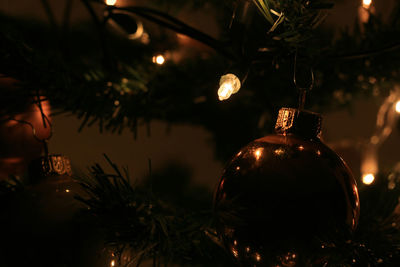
<point>302,90</point>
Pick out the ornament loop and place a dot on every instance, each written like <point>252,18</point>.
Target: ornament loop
<point>302,90</point>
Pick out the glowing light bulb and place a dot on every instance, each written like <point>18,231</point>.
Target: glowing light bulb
<point>229,84</point>
<point>366,4</point>
<point>368,178</point>
<point>111,2</point>
<point>398,106</point>
<point>258,256</point>
<point>159,59</point>
<point>225,91</point>
<point>112,263</point>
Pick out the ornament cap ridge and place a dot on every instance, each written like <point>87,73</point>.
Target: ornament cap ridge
<point>301,122</point>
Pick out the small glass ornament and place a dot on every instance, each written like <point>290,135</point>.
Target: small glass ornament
<point>284,193</point>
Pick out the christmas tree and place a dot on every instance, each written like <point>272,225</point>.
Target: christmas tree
<point>176,89</point>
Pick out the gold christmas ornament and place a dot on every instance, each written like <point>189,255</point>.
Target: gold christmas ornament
<point>285,192</point>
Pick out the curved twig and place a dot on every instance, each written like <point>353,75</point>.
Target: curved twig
<point>100,28</point>
<point>176,25</point>
<point>370,53</point>
<point>49,13</point>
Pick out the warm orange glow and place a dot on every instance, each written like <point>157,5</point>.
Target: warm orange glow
<point>235,252</point>
<point>159,59</point>
<point>366,4</point>
<point>398,106</point>
<point>111,3</point>
<point>368,178</point>
<point>67,190</point>
<point>139,32</point>
<point>374,140</point>
<point>355,191</point>
<point>301,148</point>
<point>258,153</point>
<point>258,257</point>
<point>279,151</point>
<point>112,263</point>
<point>10,161</point>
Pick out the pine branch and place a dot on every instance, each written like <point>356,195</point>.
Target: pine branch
<point>142,225</point>
<point>178,26</point>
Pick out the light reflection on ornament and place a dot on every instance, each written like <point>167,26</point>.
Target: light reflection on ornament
<point>301,148</point>
<point>229,84</point>
<point>258,153</point>
<point>398,106</point>
<point>355,189</point>
<point>367,4</point>
<point>368,178</point>
<point>279,152</point>
<point>111,3</point>
<point>159,59</point>
<point>235,252</point>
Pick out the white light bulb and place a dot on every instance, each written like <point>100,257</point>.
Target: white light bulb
<point>366,3</point>
<point>159,59</point>
<point>111,2</point>
<point>398,106</point>
<point>224,92</point>
<point>229,84</point>
<point>368,178</point>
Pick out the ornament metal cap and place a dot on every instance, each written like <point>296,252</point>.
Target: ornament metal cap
<point>49,166</point>
<point>301,122</point>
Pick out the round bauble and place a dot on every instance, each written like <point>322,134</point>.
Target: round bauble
<point>284,193</point>
<point>17,142</point>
